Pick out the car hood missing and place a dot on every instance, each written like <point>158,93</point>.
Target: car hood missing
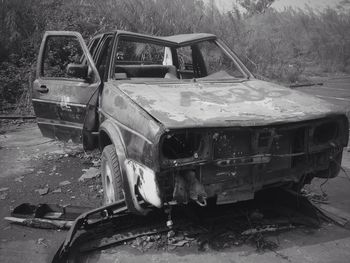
<point>217,104</point>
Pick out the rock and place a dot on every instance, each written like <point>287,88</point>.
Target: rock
<point>171,247</point>
<point>96,162</point>
<point>42,191</point>
<point>19,179</point>
<point>90,173</point>
<point>3,196</point>
<point>171,234</point>
<point>58,190</point>
<point>4,189</point>
<point>63,183</point>
<point>148,246</point>
<point>179,243</point>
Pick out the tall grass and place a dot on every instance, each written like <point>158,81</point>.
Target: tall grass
<point>282,45</point>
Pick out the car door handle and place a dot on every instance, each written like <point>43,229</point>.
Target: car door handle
<point>43,89</point>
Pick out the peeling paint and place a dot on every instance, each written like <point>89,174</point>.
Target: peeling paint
<point>214,104</point>
<point>145,180</point>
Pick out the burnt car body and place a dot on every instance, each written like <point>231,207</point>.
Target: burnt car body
<point>181,119</point>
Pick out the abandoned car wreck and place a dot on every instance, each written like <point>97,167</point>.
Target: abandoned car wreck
<point>181,119</point>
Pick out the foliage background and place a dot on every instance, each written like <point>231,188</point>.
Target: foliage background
<point>286,46</point>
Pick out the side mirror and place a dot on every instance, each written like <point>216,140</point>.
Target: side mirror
<point>79,71</point>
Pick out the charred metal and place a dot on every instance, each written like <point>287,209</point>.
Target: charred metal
<point>228,160</point>
<point>176,126</point>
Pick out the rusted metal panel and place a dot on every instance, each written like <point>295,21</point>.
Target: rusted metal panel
<point>243,103</point>
<point>140,132</point>
<point>125,111</point>
<point>60,103</point>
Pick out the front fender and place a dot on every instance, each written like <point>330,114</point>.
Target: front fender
<point>114,134</point>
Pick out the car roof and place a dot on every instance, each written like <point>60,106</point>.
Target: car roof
<point>174,40</point>
<point>186,38</point>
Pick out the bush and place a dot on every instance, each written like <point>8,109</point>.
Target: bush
<point>283,45</point>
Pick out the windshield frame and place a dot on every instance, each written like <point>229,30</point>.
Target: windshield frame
<point>173,45</point>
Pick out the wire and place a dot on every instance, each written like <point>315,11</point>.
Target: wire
<point>341,168</point>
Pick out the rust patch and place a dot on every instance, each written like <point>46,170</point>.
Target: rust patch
<point>252,102</point>
<point>120,102</point>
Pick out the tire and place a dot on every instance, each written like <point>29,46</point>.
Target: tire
<point>111,176</point>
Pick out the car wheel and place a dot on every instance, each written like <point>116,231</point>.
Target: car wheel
<point>111,176</point>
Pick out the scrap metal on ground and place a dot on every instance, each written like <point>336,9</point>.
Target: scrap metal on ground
<point>215,227</point>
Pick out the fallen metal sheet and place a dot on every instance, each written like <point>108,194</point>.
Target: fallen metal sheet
<point>105,213</point>
<point>307,84</point>
<point>333,214</point>
<point>266,229</point>
<point>40,223</point>
<point>47,216</point>
<point>14,117</point>
<point>213,226</point>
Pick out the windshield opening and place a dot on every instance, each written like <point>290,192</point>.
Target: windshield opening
<point>203,60</point>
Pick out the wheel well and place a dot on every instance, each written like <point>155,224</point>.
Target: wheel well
<point>104,140</point>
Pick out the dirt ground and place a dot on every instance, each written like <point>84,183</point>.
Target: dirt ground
<point>30,164</point>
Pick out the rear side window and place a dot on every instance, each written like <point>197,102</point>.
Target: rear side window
<point>184,55</point>
<point>217,61</point>
<point>59,52</point>
<point>139,53</point>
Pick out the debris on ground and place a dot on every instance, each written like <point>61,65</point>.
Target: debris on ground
<point>41,223</point>
<point>206,228</point>
<point>42,191</point>
<point>65,151</point>
<point>46,216</point>
<point>256,215</point>
<point>216,228</point>
<point>64,183</point>
<point>4,189</point>
<point>336,215</point>
<point>178,240</point>
<point>96,162</point>
<point>91,158</point>
<point>262,243</point>
<point>315,197</point>
<point>90,173</point>
<point>265,229</point>
<point>58,190</point>
<point>3,196</point>
<point>19,179</point>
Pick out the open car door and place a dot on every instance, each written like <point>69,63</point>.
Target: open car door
<point>65,91</point>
